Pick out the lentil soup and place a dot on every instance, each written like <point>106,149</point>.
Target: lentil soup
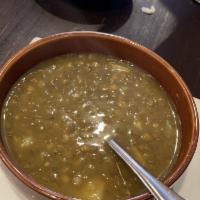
<point>54,117</point>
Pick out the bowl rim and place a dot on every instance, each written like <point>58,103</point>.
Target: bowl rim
<point>54,195</point>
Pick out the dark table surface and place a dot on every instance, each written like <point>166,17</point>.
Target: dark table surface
<point>173,31</point>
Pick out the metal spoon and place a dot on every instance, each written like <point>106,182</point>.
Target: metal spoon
<point>157,189</point>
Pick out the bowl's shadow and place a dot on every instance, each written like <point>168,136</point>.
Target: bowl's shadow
<point>21,191</point>
<point>109,14</point>
<point>178,184</point>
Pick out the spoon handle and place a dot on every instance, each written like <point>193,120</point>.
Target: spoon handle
<point>157,189</point>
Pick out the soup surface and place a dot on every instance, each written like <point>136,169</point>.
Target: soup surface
<point>56,116</point>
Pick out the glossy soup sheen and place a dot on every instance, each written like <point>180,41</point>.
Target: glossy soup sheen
<point>56,116</point>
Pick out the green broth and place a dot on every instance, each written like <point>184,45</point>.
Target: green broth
<point>55,114</point>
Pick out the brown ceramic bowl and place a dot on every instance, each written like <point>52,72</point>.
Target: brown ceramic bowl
<point>76,42</point>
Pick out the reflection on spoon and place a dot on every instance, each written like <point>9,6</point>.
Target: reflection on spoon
<point>102,132</point>
<point>100,128</point>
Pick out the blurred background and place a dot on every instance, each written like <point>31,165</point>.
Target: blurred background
<point>172,30</point>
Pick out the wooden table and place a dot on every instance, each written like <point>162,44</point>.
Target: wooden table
<point>173,31</point>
